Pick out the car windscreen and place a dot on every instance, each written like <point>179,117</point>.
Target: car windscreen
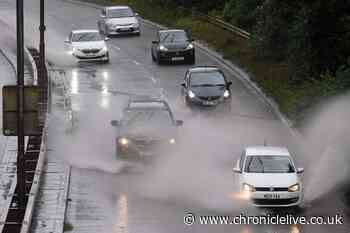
<point>268,164</point>
<point>173,37</point>
<point>147,118</point>
<point>120,13</point>
<point>212,78</point>
<point>86,36</point>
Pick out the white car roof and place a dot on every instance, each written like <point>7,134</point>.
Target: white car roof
<point>117,7</point>
<point>84,31</point>
<point>267,151</point>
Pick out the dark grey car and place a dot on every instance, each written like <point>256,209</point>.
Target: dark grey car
<point>173,45</point>
<point>206,87</point>
<point>146,126</point>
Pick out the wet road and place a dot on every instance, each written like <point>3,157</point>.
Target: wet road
<point>110,196</point>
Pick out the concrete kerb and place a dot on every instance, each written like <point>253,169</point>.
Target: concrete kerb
<point>33,192</point>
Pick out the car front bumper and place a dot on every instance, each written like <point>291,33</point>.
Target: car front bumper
<point>123,30</point>
<point>208,104</point>
<point>180,55</point>
<point>92,57</point>
<point>142,150</point>
<point>276,199</point>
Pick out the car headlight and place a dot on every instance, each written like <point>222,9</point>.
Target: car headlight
<point>190,46</point>
<point>104,49</point>
<point>163,48</point>
<point>248,188</point>
<point>74,50</point>
<point>110,25</point>
<point>172,141</point>
<point>136,25</point>
<point>294,188</point>
<point>123,141</point>
<point>191,94</point>
<point>226,94</point>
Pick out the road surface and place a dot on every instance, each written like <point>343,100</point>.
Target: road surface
<point>107,195</point>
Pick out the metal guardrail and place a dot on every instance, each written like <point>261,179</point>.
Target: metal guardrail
<point>19,220</point>
<point>221,23</point>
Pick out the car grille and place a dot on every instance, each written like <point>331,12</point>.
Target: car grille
<point>209,98</point>
<point>287,201</point>
<point>88,58</point>
<point>272,189</point>
<point>175,54</point>
<point>90,50</point>
<point>125,25</point>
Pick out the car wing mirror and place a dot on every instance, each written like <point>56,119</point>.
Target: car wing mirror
<point>136,14</point>
<point>300,170</point>
<point>106,38</point>
<point>229,83</point>
<point>103,16</point>
<point>115,123</point>
<point>179,123</point>
<point>236,170</point>
<point>67,41</point>
<point>183,85</point>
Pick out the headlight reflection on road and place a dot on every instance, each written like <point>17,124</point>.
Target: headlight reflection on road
<point>239,196</point>
<point>74,82</point>
<point>121,225</point>
<point>105,97</point>
<point>294,229</point>
<point>105,75</point>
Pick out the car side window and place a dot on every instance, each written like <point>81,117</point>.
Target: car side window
<point>103,12</point>
<point>241,160</point>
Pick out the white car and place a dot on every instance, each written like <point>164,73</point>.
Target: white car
<point>269,177</point>
<point>88,45</point>
<point>116,20</point>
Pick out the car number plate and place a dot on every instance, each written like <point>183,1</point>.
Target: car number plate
<point>177,58</point>
<point>272,196</point>
<point>209,103</point>
<point>124,29</point>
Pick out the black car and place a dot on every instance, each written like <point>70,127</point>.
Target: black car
<point>146,127</point>
<point>206,86</point>
<point>173,45</point>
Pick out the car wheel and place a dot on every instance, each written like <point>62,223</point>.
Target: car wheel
<point>138,34</point>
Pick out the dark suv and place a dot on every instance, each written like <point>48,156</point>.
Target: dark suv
<point>206,87</point>
<point>173,45</point>
<point>145,127</point>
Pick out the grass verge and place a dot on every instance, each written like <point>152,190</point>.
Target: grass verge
<point>67,227</point>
